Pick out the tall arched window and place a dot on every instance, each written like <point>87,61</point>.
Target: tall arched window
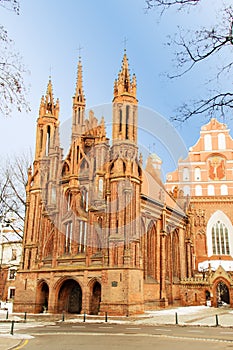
<point>84,199</point>
<point>151,246</point>
<point>198,190</point>
<point>186,174</point>
<point>127,123</point>
<point>48,139</point>
<point>175,254</point>
<point>208,142</point>
<point>120,120</point>
<point>68,237</point>
<point>221,141</point>
<point>82,235</point>
<point>220,239</point>
<point>53,194</point>
<point>197,174</point>
<point>100,187</point>
<point>219,234</point>
<point>210,190</point>
<point>41,139</point>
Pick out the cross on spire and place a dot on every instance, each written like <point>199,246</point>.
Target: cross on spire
<point>50,71</point>
<point>124,42</point>
<point>79,51</point>
<point>151,148</point>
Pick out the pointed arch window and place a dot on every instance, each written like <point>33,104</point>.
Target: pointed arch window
<point>84,199</point>
<point>98,242</point>
<point>219,234</point>
<point>127,123</point>
<point>68,237</point>
<point>175,254</point>
<point>82,235</point>
<point>41,139</point>
<point>134,126</point>
<point>69,198</point>
<point>48,139</point>
<point>220,239</point>
<point>151,248</point>
<point>100,187</point>
<point>120,121</point>
<point>53,194</point>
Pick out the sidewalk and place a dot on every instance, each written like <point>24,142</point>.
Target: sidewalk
<point>183,316</point>
<point>190,316</point>
<point>8,342</point>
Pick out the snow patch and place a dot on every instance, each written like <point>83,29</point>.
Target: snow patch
<point>180,311</point>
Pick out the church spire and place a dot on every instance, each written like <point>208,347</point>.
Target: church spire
<point>49,92</point>
<point>125,105</point>
<point>47,123</point>
<point>79,93</point>
<point>47,106</point>
<point>124,85</point>
<point>79,104</point>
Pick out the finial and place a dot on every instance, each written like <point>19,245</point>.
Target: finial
<point>124,42</point>
<point>79,52</point>
<point>50,72</point>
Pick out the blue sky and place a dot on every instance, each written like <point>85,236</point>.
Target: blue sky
<point>48,35</point>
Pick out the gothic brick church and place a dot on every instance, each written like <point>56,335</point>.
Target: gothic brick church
<point>103,234</point>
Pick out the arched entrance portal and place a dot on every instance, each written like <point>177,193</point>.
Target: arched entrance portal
<point>223,296</point>
<point>95,299</point>
<point>70,297</point>
<point>42,297</point>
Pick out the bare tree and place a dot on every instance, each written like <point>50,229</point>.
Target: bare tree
<point>13,179</point>
<point>12,5</point>
<point>13,92</point>
<point>201,45</point>
<point>164,5</point>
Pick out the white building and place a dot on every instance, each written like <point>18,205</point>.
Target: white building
<point>10,255</point>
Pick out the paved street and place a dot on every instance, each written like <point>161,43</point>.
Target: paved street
<point>155,329</point>
<point>117,341</point>
<point>120,336</point>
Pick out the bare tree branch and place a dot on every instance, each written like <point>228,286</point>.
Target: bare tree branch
<point>164,5</point>
<point>198,46</point>
<point>208,107</point>
<point>201,46</point>
<point>13,92</point>
<point>11,5</point>
<point>13,179</point>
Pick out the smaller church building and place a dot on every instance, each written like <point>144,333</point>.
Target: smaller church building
<point>206,177</point>
<point>103,234</point>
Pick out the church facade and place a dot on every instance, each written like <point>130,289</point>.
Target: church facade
<point>206,176</point>
<point>102,234</point>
